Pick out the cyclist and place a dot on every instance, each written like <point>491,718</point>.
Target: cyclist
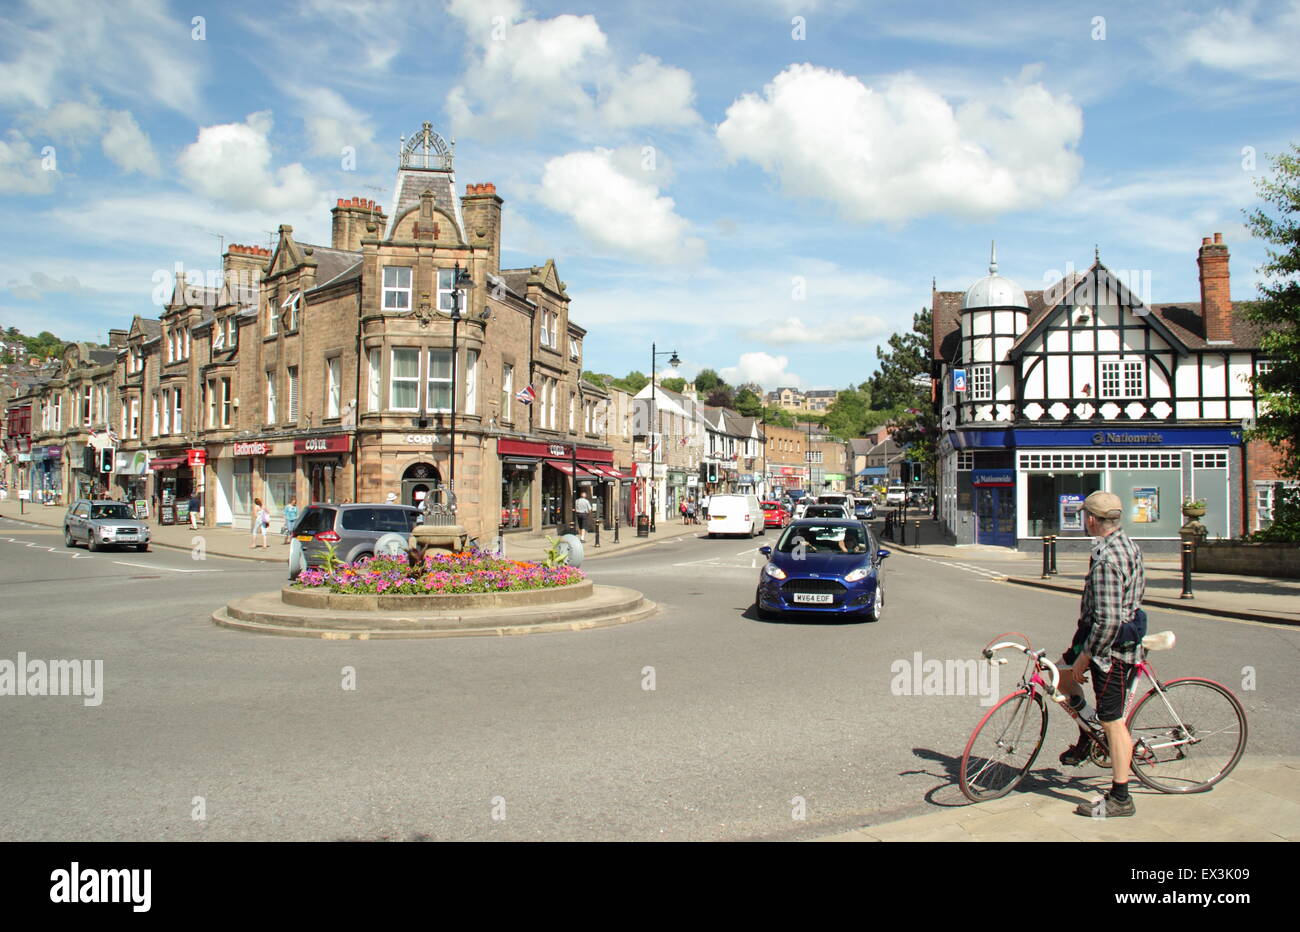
<point>1106,643</point>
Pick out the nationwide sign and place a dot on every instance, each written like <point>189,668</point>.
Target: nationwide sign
<point>255,448</point>
<point>1107,436</point>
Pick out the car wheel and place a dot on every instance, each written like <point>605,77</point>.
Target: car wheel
<point>878,605</point>
<point>761,612</point>
<point>141,548</point>
<point>91,544</point>
<point>67,539</point>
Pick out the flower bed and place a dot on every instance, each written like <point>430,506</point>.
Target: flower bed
<point>472,571</point>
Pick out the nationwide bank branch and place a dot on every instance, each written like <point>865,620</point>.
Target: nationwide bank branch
<point>1011,486</point>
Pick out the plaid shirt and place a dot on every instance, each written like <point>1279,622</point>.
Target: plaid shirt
<point>1111,595</point>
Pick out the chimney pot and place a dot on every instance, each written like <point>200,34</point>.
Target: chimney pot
<point>1218,238</point>
<point>340,203</point>
<point>1205,241</point>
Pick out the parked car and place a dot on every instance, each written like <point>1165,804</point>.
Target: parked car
<point>818,510</point>
<point>351,529</point>
<point>775,514</point>
<point>735,514</point>
<point>823,568</point>
<point>99,523</point>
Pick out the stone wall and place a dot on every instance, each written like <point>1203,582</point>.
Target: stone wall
<point>1244,558</point>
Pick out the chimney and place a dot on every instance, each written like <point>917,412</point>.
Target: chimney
<point>117,338</point>
<point>350,218</point>
<point>1216,298</point>
<point>242,268</point>
<point>481,207</point>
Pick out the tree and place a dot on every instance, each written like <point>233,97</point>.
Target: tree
<point>673,383</point>
<point>907,358</point>
<point>775,414</point>
<point>720,398</point>
<point>707,381</point>
<point>633,382</point>
<point>748,403</point>
<point>1278,389</point>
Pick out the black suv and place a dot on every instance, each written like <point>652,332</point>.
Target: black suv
<point>351,529</point>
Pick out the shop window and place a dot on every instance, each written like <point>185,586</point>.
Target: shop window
<point>1054,500</point>
<point>516,496</point>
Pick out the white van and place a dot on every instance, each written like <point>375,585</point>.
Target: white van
<point>835,498</point>
<point>735,514</point>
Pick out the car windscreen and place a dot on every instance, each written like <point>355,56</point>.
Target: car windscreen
<point>316,520</point>
<point>114,512</point>
<point>824,511</point>
<point>829,538</point>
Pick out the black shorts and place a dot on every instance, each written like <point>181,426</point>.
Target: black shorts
<point>1109,687</point>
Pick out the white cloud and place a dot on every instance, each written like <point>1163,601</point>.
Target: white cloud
<point>903,151</point>
<point>76,123</point>
<point>528,74</point>
<point>616,210</point>
<point>1233,40</point>
<point>231,164</point>
<point>859,328</point>
<point>764,369</point>
<point>332,122</point>
<point>21,169</point>
<point>134,48</point>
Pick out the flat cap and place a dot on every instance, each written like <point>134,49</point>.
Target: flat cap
<point>1104,505</point>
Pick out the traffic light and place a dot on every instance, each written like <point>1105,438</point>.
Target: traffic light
<point>713,472</point>
<point>106,456</point>
<point>916,473</point>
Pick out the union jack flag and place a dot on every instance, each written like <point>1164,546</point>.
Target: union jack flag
<point>526,395</point>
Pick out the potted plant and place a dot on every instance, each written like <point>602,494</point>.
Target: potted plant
<point>1193,507</point>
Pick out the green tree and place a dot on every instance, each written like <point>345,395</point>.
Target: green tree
<point>748,403</point>
<point>673,383</point>
<point>775,414</point>
<point>720,398</point>
<point>707,381</point>
<point>1278,389</point>
<point>633,382</point>
<point>907,358</point>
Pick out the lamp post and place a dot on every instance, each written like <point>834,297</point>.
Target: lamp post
<point>460,282</point>
<point>674,362</point>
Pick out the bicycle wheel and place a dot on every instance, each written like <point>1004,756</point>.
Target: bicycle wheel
<point>1003,746</point>
<point>1188,739</point>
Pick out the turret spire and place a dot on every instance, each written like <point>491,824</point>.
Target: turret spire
<point>993,259</point>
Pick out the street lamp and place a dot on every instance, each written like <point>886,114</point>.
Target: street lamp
<point>654,360</point>
<point>460,282</point>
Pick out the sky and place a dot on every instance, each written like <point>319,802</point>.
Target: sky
<point>767,187</point>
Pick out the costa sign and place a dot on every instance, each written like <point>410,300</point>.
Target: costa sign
<point>254,448</point>
<point>321,445</point>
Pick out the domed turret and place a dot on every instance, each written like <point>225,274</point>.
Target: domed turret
<point>994,290</point>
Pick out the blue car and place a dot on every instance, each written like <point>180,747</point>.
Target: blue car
<point>864,510</point>
<point>823,567</point>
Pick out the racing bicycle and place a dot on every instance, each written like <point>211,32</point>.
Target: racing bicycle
<point>1187,733</point>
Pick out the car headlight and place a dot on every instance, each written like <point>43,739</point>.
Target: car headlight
<point>774,571</point>
<point>862,572</point>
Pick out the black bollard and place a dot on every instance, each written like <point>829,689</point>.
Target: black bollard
<point>598,524</point>
<point>616,528</point>
<point>1054,536</point>
<point>916,542</point>
<point>1187,571</point>
<point>1047,560</point>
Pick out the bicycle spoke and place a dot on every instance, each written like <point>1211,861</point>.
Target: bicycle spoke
<point>1189,738</point>
<point>1003,747</point>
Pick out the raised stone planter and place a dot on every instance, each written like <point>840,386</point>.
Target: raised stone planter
<point>1245,558</point>
<point>323,614</point>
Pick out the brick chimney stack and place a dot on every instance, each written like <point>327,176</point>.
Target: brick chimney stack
<point>350,218</point>
<point>1216,296</point>
<point>243,267</point>
<point>481,207</point>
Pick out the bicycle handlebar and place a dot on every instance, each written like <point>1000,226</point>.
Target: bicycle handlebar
<point>1040,658</point>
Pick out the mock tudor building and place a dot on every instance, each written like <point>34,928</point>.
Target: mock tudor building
<point>1049,395</point>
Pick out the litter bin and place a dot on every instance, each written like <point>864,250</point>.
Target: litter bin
<point>642,525</point>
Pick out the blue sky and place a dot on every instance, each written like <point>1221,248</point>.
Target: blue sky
<point>767,187</point>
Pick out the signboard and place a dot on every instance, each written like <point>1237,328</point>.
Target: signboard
<point>167,513</point>
<point>196,457</point>
<point>992,477</point>
<point>338,444</point>
<point>959,380</point>
<point>253,448</point>
<point>558,449</point>
<point>1146,505</point>
<point>183,511</point>
<point>142,509</point>
<point>1070,512</point>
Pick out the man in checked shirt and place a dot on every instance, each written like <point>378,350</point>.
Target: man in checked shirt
<point>1106,643</point>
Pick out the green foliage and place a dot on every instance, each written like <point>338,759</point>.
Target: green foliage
<point>1278,390</point>
<point>720,398</point>
<point>554,556</point>
<point>331,562</point>
<point>908,356</point>
<point>1286,520</point>
<point>633,382</point>
<point>748,403</point>
<point>775,414</point>
<point>673,383</point>
<point>707,381</point>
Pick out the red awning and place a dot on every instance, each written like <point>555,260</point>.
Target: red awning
<point>566,467</point>
<point>613,473</point>
<point>168,462</point>
<point>596,469</point>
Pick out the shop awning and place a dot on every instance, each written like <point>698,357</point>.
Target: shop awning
<point>168,462</point>
<point>600,469</point>
<point>613,473</point>
<point>874,471</point>
<point>566,467</point>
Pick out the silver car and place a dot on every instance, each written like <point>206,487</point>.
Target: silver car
<point>98,524</point>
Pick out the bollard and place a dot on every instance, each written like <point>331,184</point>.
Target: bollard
<point>1047,564</point>
<point>616,529</point>
<point>1187,571</point>
<point>916,540</point>
<point>1054,536</point>
<point>597,523</point>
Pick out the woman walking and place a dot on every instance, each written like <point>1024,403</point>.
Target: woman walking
<point>290,517</point>
<point>261,521</point>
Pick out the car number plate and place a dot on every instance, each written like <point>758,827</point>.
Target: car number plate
<point>815,598</point>
<point>304,537</point>
<point>717,517</point>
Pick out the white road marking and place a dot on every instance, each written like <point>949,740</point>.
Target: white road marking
<point>170,569</point>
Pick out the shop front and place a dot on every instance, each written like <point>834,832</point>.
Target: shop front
<point>174,483</point>
<point>47,473</point>
<point>539,480</point>
<point>243,472</point>
<point>324,462</point>
<point>1047,474</point>
<point>131,480</point>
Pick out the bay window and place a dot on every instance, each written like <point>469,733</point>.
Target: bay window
<point>438,397</point>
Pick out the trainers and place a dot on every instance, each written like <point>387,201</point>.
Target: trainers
<point>1106,807</point>
<point>1074,756</point>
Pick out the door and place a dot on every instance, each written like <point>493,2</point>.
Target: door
<point>995,516</point>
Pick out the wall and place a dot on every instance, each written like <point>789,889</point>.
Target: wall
<point>1281,561</point>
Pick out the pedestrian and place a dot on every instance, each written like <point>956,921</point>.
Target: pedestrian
<point>682,509</point>
<point>704,507</point>
<point>261,522</point>
<point>1106,643</point>
<point>582,514</point>
<point>195,504</point>
<point>290,517</point>
<point>391,499</point>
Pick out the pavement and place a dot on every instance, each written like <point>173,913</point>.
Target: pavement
<point>1258,801</point>
<point>235,543</point>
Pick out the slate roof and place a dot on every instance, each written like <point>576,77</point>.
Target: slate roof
<point>333,265</point>
<point>412,182</point>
